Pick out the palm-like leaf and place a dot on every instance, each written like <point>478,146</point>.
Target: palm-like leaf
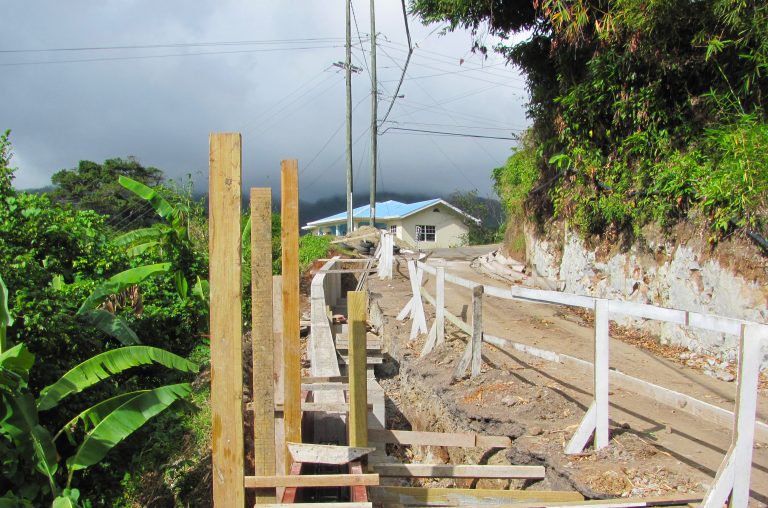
<point>5,315</point>
<point>112,325</point>
<point>161,206</point>
<point>123,421</point>
<point>105,365</point>
<point>120,282</point>
<point>95,414</point>
<point>140,236</point>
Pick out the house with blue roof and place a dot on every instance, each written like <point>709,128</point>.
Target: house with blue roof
<point>427,224</point>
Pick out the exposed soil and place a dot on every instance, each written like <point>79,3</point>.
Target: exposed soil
<point>654,449</point>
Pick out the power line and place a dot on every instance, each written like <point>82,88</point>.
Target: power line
<point>365,60</point>
<point>178,45</point>
<point>169,55</point>
<point>405,67</point>
<point>444,133</point>
<point>452,126</point>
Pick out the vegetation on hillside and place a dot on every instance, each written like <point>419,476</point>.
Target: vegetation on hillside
<point>642,111</point>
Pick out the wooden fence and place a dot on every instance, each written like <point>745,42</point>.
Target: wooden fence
<point>733,476</point>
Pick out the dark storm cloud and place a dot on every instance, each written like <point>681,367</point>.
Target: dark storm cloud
<point>162,109</point>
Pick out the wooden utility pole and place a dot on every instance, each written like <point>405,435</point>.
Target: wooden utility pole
<point>374,115</point>
<point>348,67</point>
<point>289,237</point>
<point>226,320</point>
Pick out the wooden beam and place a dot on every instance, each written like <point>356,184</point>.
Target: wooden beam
<point>289,237</point>
<point>628,502</point>
<point>262,343</point>
<point>314,480</point>
<point>277,335</point>
<point>324,387</point>
<point>315,505</point>
<point>326,454</point>
<point>601,377</point>
<point>459,471</point>
<point>289,493</point>
<point>357,425</point>
<point>357,493</point>
<point>458,439</point>
<point>421,496</point>
<point>325,379</point>
<point>226,319</point>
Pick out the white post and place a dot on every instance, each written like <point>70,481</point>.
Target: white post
<point>601,373</point>
<point>477,329</point>
<point>440,305</point>
<point>734,473</point>
<point>419,320</point>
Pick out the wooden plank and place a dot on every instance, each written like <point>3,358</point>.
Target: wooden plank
<point>358,377</point>
<point>459,471</point>
<point>324,387</point>
<point>289,237</point>
<point>326,454</point>
<point>421,496</point>
<point>289,494</point>
<point>477,330</point>
<point>492,441</point>
<point>750,354</point>
<point>325,379</point>
<point>460,439</point>
<point>357,493</point>
<point>629,502</point>
<point>226,320</point>
<point>262,343</point>
<point>440,305</point>
<point>456,320</point>
<point>313,480</point>
<point>583,432</point>
<point>601,376</point>
<point>371,359</point>
<point>552,297</point>
<point>277,356</point>
<point>316,505</point>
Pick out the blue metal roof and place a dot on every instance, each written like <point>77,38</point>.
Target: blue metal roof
<point>386,210</point>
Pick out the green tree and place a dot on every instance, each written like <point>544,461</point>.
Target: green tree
<point>93,186</point>
<point>485,229</point>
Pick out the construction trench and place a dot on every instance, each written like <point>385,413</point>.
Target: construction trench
<point>409,406</point>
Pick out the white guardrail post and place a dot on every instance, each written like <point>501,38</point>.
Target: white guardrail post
<point>733,476</point>
<point>596,419</point>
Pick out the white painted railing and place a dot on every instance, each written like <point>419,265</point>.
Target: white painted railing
<point>732,480</point>
<point>385,254</point>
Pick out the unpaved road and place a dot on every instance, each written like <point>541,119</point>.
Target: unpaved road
<point>655,449</point>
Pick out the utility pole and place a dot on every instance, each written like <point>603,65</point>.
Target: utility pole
<point>374,115</point>
<point>348,65</point>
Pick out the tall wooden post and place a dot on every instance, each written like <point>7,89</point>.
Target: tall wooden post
<point>277,335</point>
<point>477,329</point>
<point>289,208</point>
<point>262,340</point>
<point>358,376</point>
<point>226,320</point>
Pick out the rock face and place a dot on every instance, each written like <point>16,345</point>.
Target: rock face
<point>658,271</point>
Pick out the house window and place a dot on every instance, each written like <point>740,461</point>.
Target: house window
<point>393,229</point>
<point>425,233</point>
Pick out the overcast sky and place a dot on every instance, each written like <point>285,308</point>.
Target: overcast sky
<point>268,75</point>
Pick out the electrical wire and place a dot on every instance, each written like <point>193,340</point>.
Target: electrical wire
<point>405,67</point>
<point>444,133</point>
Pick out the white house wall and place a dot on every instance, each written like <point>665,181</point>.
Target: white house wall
<point>449,229</point>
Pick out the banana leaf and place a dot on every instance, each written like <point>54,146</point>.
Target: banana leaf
<point>201,290</point>
<point>105,365</point>
<point>161,206</point>
<point>96,413</point>
<point>5,315</point>
<point>139,235</point>
<point>22,424</point>
<point>15,364</point>
<point>137,250</point>
<point>120,282</point>
<point>122,422</point>
<point>112,325</point>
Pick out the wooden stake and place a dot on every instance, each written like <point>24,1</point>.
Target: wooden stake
<point>477,329</point>
<point>289,208</point>
<point>226,320</point>
<point>277,335</point>
<point>358,378</point>
<point>261,339</point>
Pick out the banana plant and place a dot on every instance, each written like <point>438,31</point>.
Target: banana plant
<point>104,425</point>
<point>5,316</point>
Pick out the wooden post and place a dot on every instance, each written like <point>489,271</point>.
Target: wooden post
<point>601,373</point>
<point>477,329</point>
<point>358,378</point>
<point>226,320</point>
<point>419,323</point>
<point>261,339</point>
<point>277,334</point>
<point>440,305</point>
<point>289,208</point>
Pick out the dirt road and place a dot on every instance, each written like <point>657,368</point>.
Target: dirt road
<point>655,449</point>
